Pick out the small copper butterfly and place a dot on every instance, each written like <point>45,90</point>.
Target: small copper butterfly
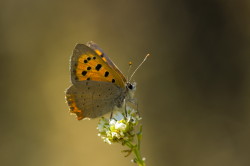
<point>97,84</point>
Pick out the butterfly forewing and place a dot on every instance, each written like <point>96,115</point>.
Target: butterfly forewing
<point>86,64</point>
<point>104,56</point>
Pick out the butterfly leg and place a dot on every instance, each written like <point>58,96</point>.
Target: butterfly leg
<point>135,104</point>
<point>126,112</point>
<point>111,115</point>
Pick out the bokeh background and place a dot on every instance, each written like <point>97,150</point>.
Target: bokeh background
<point>193,91</point>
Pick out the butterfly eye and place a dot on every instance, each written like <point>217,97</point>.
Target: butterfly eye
<point>130,86</point>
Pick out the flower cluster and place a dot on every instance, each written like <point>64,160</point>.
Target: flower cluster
<point>120,128</point>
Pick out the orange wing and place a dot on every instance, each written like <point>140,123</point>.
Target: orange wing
<point>100,52</point>
<point>86,64</point>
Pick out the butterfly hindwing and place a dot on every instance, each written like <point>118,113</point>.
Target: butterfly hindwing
<point>86,64</point>
<point>91,99</point>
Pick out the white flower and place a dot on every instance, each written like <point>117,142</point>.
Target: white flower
<point>120,128</point>
<point>109,133</point>
<point>115,135</point>
<point>118,116</point>
<point>112,122</point>
<point>106,140</point>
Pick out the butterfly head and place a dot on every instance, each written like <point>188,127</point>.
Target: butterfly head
<point>131,86</point>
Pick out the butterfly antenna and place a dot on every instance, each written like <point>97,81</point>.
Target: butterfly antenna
<point>138,67</point>
<point>130,64</point>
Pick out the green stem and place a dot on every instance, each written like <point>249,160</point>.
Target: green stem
<point>136,151</point>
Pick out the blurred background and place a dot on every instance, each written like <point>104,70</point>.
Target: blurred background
<point>193,91</point>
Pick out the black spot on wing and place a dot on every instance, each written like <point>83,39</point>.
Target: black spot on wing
<point>84,73</point>
<point>98,67</point>
<point>106,74</point>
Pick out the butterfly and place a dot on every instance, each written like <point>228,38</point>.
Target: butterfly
<point>97,84</point>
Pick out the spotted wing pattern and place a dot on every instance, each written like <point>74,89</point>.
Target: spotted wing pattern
<point>87,65</point>
<point>104,56</point>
